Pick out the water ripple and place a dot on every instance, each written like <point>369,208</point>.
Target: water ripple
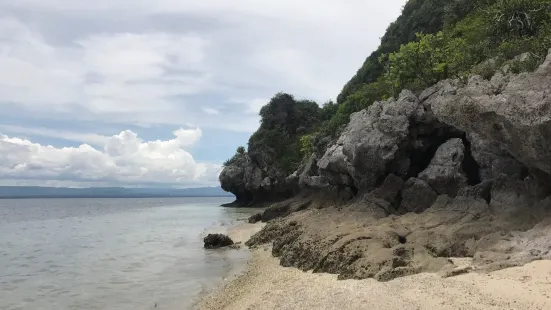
<point>110,253</point>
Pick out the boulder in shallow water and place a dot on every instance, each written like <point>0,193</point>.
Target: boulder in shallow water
<point>216,241</point>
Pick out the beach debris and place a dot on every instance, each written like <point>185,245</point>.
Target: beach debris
<point>216,241</point>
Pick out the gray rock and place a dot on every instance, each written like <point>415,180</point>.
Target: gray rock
<point>482,190</point>
<point>251,183</point>
<point>444,173</point>
<point>334,160</point>
<point>309,177</point>
<point>317,182</point>
<point>254,178</point>
<point>544,69</point>
<point>417,196</point>
<point>387,196</point>
<point>232,178</point>
<point>370,142</point>
<point>292,180</point>
<point>510,195</point>
<point>513,112</point>
<point>492,160</point>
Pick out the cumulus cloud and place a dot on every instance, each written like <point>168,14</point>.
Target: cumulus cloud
<point>124,159</point>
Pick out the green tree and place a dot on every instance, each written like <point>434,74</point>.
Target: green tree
<point>240,152</point>
<point>418,64</point>
<point>284,120</point>
<point>328,110</point>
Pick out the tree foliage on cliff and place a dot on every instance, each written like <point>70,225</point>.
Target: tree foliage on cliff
<point>238,153</point>
<point>418,16</point>
<point>284,120</point>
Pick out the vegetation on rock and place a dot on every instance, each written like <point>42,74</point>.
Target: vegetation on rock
<point>284,120</point>
<point>434,40</point>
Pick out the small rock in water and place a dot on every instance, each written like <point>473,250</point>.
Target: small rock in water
<point>215,241</point>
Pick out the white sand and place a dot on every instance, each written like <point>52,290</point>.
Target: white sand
<point>266,285</point>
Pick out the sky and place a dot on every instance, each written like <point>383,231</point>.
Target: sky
<point>158,93</point>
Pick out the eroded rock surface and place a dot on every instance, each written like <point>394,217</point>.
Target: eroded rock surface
<point>417,196</point>
<point>252,183</point>
<point>370,142</point>
<point>444,173</point>
<point>348,243</point>
<point>512,111</point>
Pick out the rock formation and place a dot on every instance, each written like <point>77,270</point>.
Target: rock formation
<point>511,114</point>
<point>253,179</point>
<point>397,136</point>
<point>215,241</point>
<point>462,170</point>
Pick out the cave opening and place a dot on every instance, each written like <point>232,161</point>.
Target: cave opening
<point>421,156</point>
<point>469,164</point>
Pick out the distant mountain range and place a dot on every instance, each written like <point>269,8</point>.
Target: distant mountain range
<point>108,192</point>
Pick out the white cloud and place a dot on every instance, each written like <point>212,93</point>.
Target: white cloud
<point>211,111</point>
<point>125,159</point>
<point>90,138</point>
<point>106,74</point>
<point>163,73</point>
<point>252,106</point>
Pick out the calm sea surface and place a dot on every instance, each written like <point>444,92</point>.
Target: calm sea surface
<point>111,253</point>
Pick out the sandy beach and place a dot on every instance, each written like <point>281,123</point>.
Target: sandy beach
<point>266,285</point>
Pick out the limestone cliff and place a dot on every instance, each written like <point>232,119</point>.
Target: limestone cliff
<point>253,181</point>
<point>462,170</point>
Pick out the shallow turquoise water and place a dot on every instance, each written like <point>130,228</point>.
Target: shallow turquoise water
<point>111,253</point>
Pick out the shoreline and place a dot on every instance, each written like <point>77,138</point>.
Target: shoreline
<point>240,232</point>
<point>264,284</point>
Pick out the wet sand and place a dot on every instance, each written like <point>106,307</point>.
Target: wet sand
<point>266,285</point>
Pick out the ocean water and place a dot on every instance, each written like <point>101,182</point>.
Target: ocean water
<point>112,253</point>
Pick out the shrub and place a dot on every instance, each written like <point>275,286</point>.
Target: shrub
<point>306,145</point>
<point>238,153</point>
<point>516,18</point>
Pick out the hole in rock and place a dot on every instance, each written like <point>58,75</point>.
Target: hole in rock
<point>469,164</point>
<point>420,158</point>
<point>402,239</point>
